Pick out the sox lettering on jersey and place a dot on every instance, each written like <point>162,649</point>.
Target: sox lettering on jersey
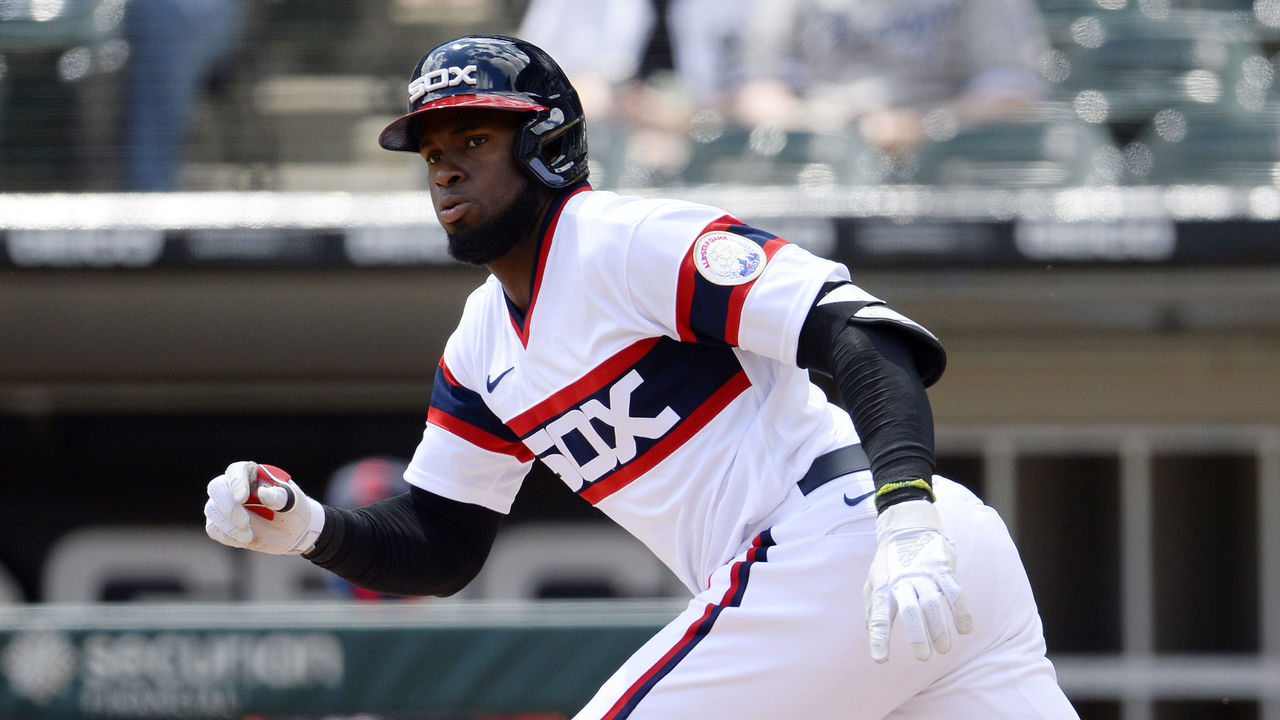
<point>610,426</point>
<point>617,415</point>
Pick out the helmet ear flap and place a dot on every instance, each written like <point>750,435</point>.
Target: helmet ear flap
<point>553,148</point>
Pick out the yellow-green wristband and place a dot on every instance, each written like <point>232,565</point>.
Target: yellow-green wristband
<point>918,483</point>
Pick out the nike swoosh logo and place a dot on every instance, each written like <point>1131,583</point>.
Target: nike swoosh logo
<point>854,501</point>
<point>492,383</point>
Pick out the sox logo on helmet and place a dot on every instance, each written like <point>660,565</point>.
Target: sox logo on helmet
<point>442,78</point>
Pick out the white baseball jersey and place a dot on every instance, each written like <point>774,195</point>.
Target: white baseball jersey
<point>654,371</point>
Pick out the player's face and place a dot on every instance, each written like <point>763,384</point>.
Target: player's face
<point>482,198</point>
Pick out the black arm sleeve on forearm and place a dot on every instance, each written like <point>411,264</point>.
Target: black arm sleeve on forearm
<point>417,543</point>
<point>876,375</point>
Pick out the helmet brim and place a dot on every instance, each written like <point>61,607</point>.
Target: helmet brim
<point>397,135</point>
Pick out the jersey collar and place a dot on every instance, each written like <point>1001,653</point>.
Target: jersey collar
<point>520,320</point>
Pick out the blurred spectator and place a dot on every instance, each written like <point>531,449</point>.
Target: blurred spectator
<point>598,44</point>
<point>884,66</point>
<point>358,483</point>
<point>175,47</point>
<point>642,69</point>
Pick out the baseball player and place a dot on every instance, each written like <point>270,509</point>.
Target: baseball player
<point>655,355</point>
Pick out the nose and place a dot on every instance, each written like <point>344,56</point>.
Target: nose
<point>445,172</point>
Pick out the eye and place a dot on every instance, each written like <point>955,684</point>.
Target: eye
<point>432,157</point>
<point>476,141</point>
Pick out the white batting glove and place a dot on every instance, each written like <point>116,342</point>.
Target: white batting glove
<point>259,507</point>
<point>913,578</point>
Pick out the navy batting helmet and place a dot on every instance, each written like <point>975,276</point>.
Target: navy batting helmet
<point>504,73</point>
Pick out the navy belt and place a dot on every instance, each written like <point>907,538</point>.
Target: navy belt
<point>831,465</point>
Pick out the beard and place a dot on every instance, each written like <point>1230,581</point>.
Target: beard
<point>484,243</point>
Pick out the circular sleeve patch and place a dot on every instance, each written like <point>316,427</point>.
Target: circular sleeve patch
<point>727,259</point>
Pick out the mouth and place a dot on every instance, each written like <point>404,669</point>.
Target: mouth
<point>452,209</point>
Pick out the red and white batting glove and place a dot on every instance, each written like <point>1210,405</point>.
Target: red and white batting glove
<point>258,507</point>
<point>913,578</point>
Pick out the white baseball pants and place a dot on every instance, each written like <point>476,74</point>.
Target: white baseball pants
<point>780,630</point>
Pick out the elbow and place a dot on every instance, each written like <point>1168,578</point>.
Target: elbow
<point>451,578</point>
<point>458,581</point>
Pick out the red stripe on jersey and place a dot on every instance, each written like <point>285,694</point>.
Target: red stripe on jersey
<point>522,331</point>
<point>724,222</point>
<point>478,437</point>
<point>737,298</point>
<point>680,434</point>
<point>448,374</point>
<point>569,396</point>
<point>684,298</point>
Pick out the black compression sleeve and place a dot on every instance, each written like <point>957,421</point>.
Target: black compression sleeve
<point>417,543</point>
<point>878,382</point>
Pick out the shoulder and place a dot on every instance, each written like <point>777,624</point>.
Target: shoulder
<point>606,213</point>
<point>610,236</point>
<point>481,298</point>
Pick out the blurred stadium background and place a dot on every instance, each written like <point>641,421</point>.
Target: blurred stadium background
<point>1106,277</point>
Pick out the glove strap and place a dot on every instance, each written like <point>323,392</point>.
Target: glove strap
<point>315,523</point>
<point>908,516</point>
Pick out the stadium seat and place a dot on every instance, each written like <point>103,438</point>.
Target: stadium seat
<point>766,155</point>
<point>1124,67</point>
<point>57,61</point>
<point>1207,147</point>
<point>1058,15</point>
<point>30,26</point>
<point>1042,153</point>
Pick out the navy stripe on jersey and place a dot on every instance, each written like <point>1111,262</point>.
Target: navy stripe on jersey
<point>463,412</point>
<point>630,413</point>
<point>707,312</point>
<point>738,577</point>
